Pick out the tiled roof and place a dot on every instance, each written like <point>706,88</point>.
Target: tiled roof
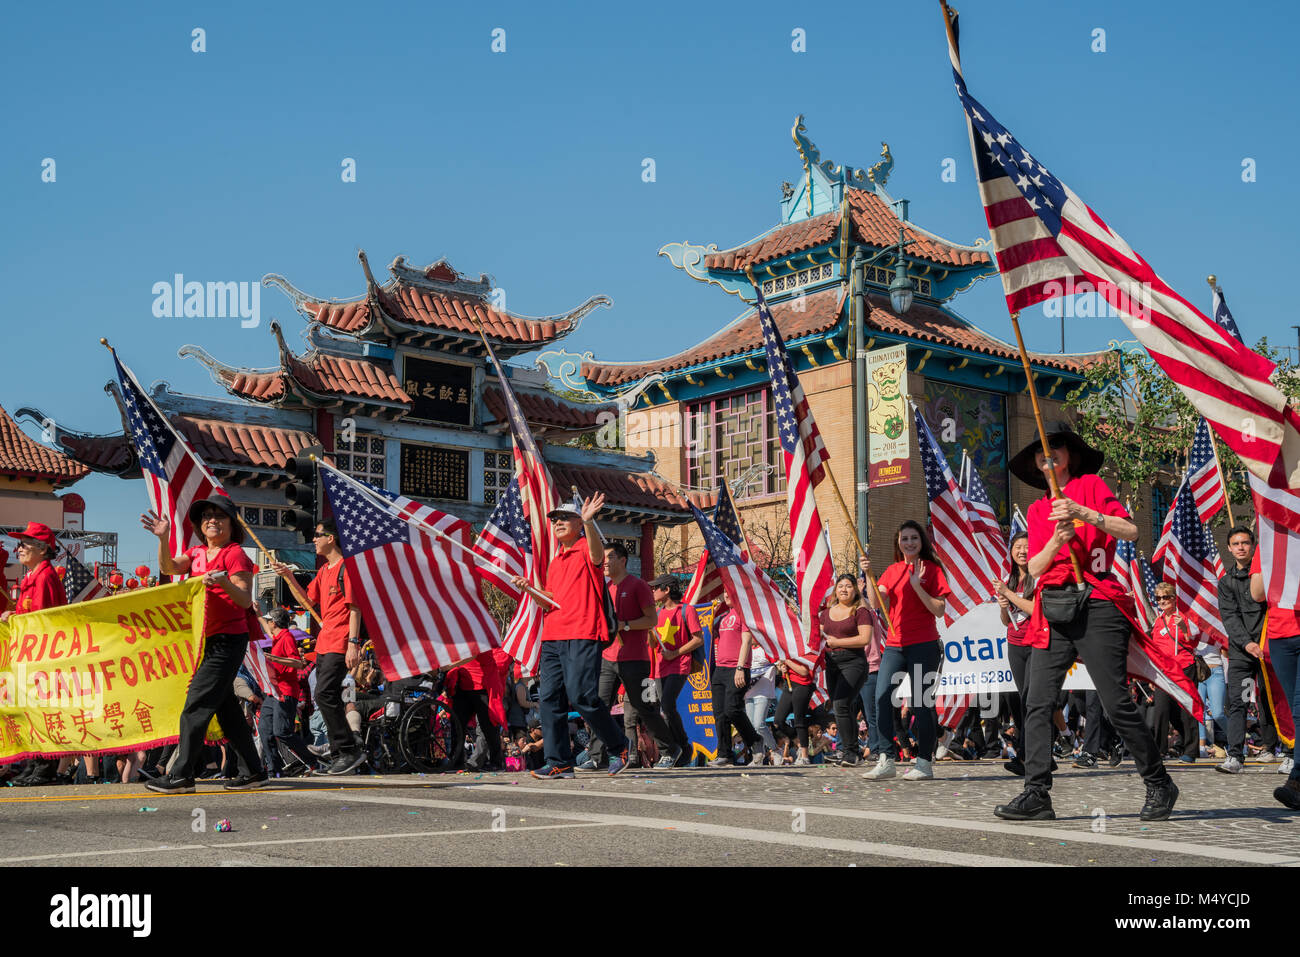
<point>547,411</point>
<point>322,374</point>
<point>21,457</point>
<point>873,223</point>
<point>344,316</point>
<point>236,445</point>
<point>439,310</point>
<point>821,312</point>
<point>628,489</point>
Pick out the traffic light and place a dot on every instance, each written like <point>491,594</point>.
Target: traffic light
<point>303,493</point>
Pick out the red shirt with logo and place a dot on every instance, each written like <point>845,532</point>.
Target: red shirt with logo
<point>675,628</point>
<point>910,622</point>
<point>1282,622</point>
<point>576,582</point>
<point>221,616</point>
<point>631,597</point>
<point>726,646</point>
<point>39,589</point>
<point>1018,629</point>
<point>335,606</point>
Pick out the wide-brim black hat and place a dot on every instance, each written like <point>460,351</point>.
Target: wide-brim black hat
<point>1023,465</point>
<point>224,504</point>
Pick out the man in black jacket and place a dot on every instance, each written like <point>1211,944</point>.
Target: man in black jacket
<point>1243,618</point>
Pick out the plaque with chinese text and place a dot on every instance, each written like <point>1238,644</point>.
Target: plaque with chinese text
<point>430,471</point>
<point>439,391</point>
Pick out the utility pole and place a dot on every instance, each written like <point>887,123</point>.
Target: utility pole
<point>1297,344</point>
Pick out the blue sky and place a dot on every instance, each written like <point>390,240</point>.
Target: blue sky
<point>225,165</point>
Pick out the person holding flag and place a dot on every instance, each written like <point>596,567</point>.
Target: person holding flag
<point>1092,620</point>
<point>228,579</point>
<point>677,635</point>
<point>916,591</point>
<point>1016,604</point>
<point>1179,636</point>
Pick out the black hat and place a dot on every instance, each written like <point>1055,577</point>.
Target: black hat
<point>223,503</point>
<point>664,581</point>
<point>1023,465</point>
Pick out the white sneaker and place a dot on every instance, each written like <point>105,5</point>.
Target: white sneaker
<point>802,761</point>
<point>1286,766</point>
<point>1230,766</point>
<point>942,752</point>
<point>884,768</point>
<point>922,771</point>
<point>1266,756</point>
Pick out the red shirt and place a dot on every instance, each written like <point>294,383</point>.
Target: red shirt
<point>910,622</point>
<point>631,598</point>
<point>845,627</point>
<point>726,646</point>
<point>221,616</point>
<point>39,589</point>
<point>285,645</point>
<point>1180,642</point>
<point>814,642</point>
<point>1282,622</point>
<point>576,583</point>
<point>1018,630</point>
<point>335,608</point>
<point>675,628</point>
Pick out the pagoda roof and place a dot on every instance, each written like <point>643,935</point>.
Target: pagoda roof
<point>547,412</point>
<point>624,491</point>
<point>435,306</point>
<point>822,311</point>
<point>22,457</point>
<point>872,223</point>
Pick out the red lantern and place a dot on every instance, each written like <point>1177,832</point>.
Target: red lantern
<point>115,579</point>
<point>131,583</point>
<point>142,572</point>
<point>60,571</point>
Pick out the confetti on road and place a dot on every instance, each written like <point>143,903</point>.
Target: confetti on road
<point>830,790</point>
<point>223,826</point>
<point>150,809</point>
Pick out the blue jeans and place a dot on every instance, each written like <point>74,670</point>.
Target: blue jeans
<point>1214,692</point>
<point>874,741</point>
<point>756,708</point>
<point>572,668</point>
<point>1285,653</point>
<point>919,662</point>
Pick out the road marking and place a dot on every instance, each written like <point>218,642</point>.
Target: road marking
<point>224,846</point>
<point>1240,855</point>
<point>755,835</point>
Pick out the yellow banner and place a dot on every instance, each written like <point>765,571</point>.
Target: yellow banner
<point>99,676</point>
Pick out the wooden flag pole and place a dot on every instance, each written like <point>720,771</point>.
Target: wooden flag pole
<point>1227,502</point>
<point>1042,435</point>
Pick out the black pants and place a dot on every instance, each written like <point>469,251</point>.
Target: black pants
<point>1018,659</point>
<point>1100,736</point>
<point>1168,710</point>
<point>729,709</point>
<point>1244,673</point>
<point>467,704</point>
<point>330,672</point>
<point>1100,635</point>
<point>670,686</point>
<point>212,692</point>
<point>846,673</point>
<point>278,725</point>
<point>794,702</point>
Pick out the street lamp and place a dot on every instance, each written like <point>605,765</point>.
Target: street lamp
<point>901,289</point>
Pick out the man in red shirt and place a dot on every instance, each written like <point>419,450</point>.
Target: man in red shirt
<point>279,716</point>
<point>338,645</point>
<point>571,641</point>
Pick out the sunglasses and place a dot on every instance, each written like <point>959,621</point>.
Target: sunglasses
<point>1161,601</point>
<point>1056,442</point>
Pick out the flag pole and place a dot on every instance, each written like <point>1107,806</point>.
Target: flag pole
<point>288,578</point>
<point>1038,420</point>
<point>388,506</point>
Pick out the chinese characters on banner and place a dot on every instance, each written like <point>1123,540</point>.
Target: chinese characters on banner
<point>889,446</point>
<point>439,391</point>
<point>106,675</point>
<point>429,471</point>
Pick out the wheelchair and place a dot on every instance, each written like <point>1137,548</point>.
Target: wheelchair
<point>414,729</point>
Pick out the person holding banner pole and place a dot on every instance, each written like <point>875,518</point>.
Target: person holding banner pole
<point>916,590</point>
<point>847,625</point>
<point>228,577</point>
<point>796,696</point>
<point>728,681</point>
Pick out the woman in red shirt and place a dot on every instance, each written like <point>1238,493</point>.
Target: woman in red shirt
<point>228,579</point>
<point>1093,624</point>
<point>1172,631</point>
<point>846,625</point>
<point>916,591</point>
<point>728,682</point>
<point>676,635</point>
<point>796,682</point>
<point>1014,599</point>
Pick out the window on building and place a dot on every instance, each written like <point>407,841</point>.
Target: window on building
<point>363,459</point>
<point>1162,500</point>
<point>726,436</point>
<point>498,470</point>
<point>261,516</point>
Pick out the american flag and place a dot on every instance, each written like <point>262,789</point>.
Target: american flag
<point>1203,474</point>
<point>761,606</point>
<point>967,570</point>
<point>1190,561</point>
<point>174,475</point>
<point>1135,575</point>
<point>418,593</point>
<point>706,584</point>
<point>507,543</point>
<point>1222,316</point>
<point>79,584</point>
<point>1278,514</point>
<point>985,522</point>
<point>805,468</point>
<point>1048,241</point>
<point>1018,524</point>
<point>256,663</point>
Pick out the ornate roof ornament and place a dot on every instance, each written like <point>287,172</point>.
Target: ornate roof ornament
<point>690,259</point>
<point>879,174</point>
<point>565,366</point>
<point>441,277</point>
<point>812,156</point>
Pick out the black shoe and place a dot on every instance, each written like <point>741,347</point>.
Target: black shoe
<point>1289,794</point>
<point>849,759</point>
<point>1031,804</point>
<point>1085,761</point>
<point>1016,767</point>
<point>1160,801</point>
<point>165,785</point>
<point>346,763</point>
<point>248,782</point>
<point>40,777</point>
<point>1116,756</point>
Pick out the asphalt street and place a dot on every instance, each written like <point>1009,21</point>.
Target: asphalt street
<point>765,816</point>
